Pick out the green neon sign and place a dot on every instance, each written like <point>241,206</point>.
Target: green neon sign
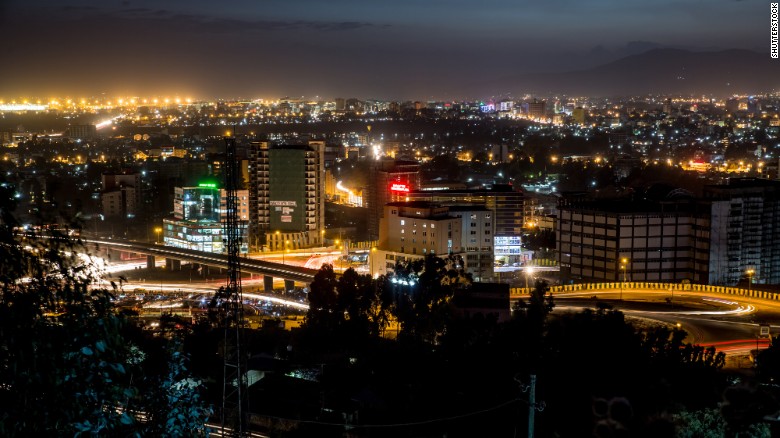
<point>208,185</point>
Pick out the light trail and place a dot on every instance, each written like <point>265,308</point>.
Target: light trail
<point>276,300</point>
<point>741,310</point>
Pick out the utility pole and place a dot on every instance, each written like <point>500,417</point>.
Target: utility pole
<point>234,384</point>
<point>531,406</point>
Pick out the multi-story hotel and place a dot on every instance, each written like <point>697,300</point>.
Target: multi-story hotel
<point>412,230</point>
<point>286,195</point>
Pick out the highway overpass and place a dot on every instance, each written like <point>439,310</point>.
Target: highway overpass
<point>174,257</point>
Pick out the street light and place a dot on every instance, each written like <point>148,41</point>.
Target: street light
<point>157,231</point>
<point>529,270</point>
<point>750,273</point>
<point>623,263</point>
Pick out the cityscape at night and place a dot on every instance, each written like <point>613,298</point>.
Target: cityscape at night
<point>385,219</point>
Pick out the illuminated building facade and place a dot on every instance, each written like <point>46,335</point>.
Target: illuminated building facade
<point>389,181</point>
<point>286,195</point>
<point>198,215</point>
<point>504,202</point>
<point>412,230</point>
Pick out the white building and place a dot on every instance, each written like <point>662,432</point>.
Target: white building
<point>412,230</point>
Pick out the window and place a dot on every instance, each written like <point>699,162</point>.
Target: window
<point>473,232</point>
<point>473,224</point>
<point>403,222</point>
<point>433,225</point>
<point>473,216</point>
<point>487,231</point>
<point>487,224</point>
<point>403,231</point>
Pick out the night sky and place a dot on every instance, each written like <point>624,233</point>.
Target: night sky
<point>397,49</point>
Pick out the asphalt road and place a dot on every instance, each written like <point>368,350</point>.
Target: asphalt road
<point>731,324</point>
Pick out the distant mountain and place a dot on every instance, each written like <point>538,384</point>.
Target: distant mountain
<point>658,71</point>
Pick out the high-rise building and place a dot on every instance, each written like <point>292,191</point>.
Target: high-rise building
<point>745,231</point>
<point>286,195</point>
<point>389,181</point>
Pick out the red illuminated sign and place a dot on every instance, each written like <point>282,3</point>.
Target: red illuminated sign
<point>397,187</point>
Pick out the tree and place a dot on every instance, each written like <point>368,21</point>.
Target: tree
<point>68,361</point>
<point>422,291</point>
<point>351,307</point>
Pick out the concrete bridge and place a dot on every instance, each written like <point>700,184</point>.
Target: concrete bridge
<point>174,256</point>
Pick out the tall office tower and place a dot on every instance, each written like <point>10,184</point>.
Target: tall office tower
<point>389,181</point>
<point>286,195</point>
<point>745,231</point>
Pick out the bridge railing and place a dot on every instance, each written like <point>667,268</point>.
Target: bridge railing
<point>516,292</point>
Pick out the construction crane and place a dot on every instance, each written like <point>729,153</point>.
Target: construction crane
<point>229,300</point>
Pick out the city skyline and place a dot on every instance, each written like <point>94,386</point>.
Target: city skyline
<point>386,50</point>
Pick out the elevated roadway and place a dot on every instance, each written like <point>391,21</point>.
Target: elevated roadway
<point>268,269</point>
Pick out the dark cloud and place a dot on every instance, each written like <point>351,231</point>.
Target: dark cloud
<point>72,8</point>
<point>381,48</point>
<point>211,23</point>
